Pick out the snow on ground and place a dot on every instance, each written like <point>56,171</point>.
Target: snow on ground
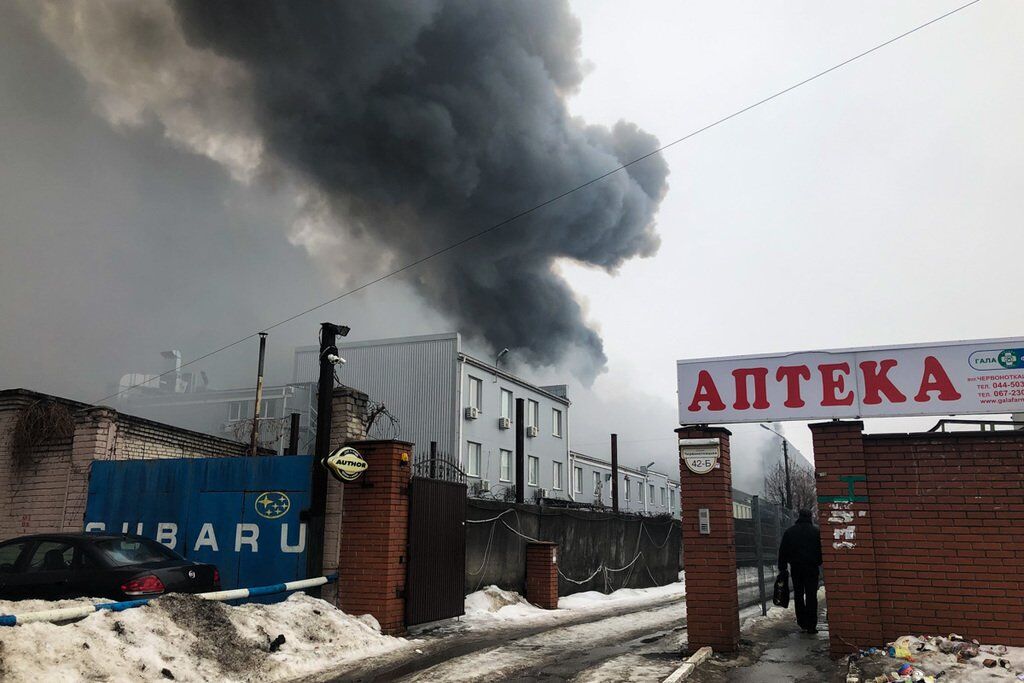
<point>189,639</point>
<point>492,605</point>
<point>934,656</point>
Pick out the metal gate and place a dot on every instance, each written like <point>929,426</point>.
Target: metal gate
<point>436,571</point>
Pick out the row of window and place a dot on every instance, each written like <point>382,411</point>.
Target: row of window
<point>242,410</point>
<point>474,457</point>
<point>506,407</point>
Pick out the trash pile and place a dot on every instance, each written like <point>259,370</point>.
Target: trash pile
<point>937,659</point>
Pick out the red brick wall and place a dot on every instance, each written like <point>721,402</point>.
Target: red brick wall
<point>375,534</point>
<point>712,604</point>
<point>542,574</point>
<point>940,546</point>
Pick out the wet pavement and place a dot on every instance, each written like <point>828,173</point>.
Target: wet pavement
<point>774,649</point>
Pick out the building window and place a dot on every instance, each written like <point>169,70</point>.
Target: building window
<point>556,476</point>
<point>597,483</point>
<point>235,410</point>
<point>626,488</point>
<point>271,408</point>
<point>476,388</point>
<point>664,497</point>
<point>650,494</point>
<point>506,465</point>
<point>556,422</point>
<point>672,500</point>
<point>532,470</point>
<point>577,479</point>
<point>532,413</point>
<point>640,492</point>
<point>472,459</point>
<point>506,404</point>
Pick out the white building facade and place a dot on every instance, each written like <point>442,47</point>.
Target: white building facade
<point>467,406</point>
<point>641,490</point>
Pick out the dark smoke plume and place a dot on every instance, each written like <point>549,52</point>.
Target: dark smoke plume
<point>403,126</point>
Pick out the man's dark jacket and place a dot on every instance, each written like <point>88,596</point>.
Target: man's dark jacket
<point>801,547</point>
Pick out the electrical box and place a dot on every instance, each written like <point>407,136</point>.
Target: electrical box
<point>704,520</point>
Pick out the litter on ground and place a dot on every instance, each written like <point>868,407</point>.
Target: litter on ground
<point>938,659</point>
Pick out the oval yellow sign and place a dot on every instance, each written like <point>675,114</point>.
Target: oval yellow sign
<point>345,464</point>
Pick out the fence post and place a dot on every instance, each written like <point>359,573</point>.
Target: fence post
<point>433,460</point>
<point>755,503</point>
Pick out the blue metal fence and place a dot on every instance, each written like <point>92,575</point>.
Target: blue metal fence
<point>241,514</point>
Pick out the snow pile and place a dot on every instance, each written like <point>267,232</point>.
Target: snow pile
<point>182,637</point>
<point>623,596</point>
<point>495,603</point>
<point>947,660</point>
<point>492,605</point>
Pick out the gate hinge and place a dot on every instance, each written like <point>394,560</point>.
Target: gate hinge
<point>400,593</point>
<point>403,490</point>
<point>401,559</point>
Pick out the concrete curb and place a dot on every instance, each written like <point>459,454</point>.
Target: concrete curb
<point>689,666</point>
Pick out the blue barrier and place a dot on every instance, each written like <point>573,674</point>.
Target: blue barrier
<point>66,613</point>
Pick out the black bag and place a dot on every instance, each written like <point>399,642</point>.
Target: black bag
<point>780,597</point>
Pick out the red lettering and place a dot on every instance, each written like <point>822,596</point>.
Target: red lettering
<point>935,379</point>
<point>760,376</point>
<point>832,385</point>
<point>793,374</point>
<point>877,382</point>
<point>706,392</point>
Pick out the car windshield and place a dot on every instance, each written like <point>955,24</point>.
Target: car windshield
<point>124,551</point>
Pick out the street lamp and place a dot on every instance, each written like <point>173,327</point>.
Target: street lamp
<point>785,457</point>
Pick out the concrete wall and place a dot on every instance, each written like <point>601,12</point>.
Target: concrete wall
<point>921,533</point>
<point>587,540</point>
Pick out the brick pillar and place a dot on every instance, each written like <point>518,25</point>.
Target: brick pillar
<point>712,604</point>
<point>94,439</point>
<point>348,409</point>
<point>854,614</point>
<point>542,574</point>
<point>375,534</point>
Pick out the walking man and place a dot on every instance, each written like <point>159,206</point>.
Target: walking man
<point>801,551</point>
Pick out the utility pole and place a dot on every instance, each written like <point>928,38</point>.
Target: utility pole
<point>785,458</point>
<point>293,434</point>
<point>318,484</point>
<point>615,472</point>
<point>254,438</point>
<point>789,487</point>
<point>520,450</point>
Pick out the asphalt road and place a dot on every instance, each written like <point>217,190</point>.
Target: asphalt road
<point>583,648</point>
<point>570,653</point>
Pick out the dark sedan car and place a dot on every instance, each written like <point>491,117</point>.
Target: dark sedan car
<point>119,567</point>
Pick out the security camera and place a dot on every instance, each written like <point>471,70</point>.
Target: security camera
<point>335,359</point>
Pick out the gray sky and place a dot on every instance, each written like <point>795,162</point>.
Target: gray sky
<point>877,205</point>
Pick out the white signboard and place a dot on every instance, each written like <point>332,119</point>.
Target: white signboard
<point>700,455</point>
<point>953,378</point>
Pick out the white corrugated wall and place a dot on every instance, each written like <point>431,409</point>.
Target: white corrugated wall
<point>415,377</point>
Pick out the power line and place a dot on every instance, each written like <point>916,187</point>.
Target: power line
<point>552,200</point>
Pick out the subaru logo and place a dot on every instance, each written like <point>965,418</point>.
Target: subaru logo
<point>272,504</point>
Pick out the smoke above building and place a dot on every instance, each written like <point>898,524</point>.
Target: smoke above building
<point>397,129</point>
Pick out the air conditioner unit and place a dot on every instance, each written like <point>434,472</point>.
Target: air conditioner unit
<point>504,423</point>
<point>472,413</point>
<point>483,486</point>
<point>532,431</point>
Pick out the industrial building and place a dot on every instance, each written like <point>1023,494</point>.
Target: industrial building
<point>465,405</point>
<point>641,490</point>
